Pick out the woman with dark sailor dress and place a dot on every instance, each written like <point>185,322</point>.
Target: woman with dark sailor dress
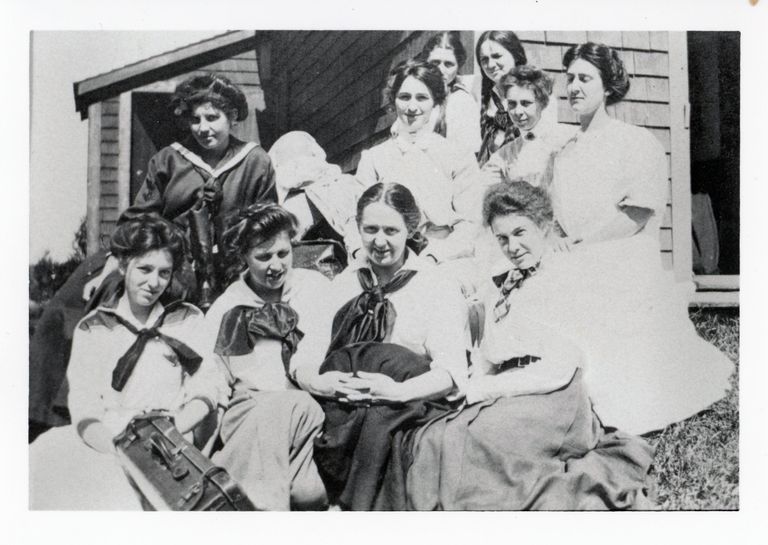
<point>194,183</point>
<point>269,330</point>
<point>137,356</point>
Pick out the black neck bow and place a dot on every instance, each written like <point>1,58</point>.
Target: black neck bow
<point>242,326</point>
<point>369,316</point>
<point>189,359</point>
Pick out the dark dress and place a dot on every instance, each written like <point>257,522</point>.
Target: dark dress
<point>176,180</point>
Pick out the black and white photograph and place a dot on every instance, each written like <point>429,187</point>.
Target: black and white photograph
<point>350,267</point>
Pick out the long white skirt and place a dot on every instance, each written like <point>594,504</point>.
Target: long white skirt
<point>66,474</point>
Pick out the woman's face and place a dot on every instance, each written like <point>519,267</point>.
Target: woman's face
<point>210,127</point>
<point>523,108</point>
<point>147,276</point>
<point>586,92</point>
<point>414,104</point>
<point>445,60</point>
<point>269,263</point>
<point>521,240</point>
<point>495,60</point>
<point>383,233</point>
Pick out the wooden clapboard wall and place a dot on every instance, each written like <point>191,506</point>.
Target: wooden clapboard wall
<point>330,84</point>
<point>116,118</point>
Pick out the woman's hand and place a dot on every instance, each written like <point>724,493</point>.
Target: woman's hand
<point>565,244</point>
<point>190,415</point>
<point>374,387</point>
<point>331,384</point>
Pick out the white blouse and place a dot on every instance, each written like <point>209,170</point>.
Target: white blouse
<point>306,292</point>
<point>431,315</point>
<point>158,381</point>
<point>444,179</point>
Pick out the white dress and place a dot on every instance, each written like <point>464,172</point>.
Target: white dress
<point>445,181</point>
<point>66,473</point>
<point>462,118</point>
<point>645,365</point>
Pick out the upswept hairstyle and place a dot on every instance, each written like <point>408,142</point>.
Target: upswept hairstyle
<point>136,236</point>
<point>532,78</point>
<point>510,42</point>
<point>426,73</point>
<point>608,63</point>
<point>518,198</point>
<point>249,227</point>
<point>213,88</point>
<point>400,199</point>
<point>449,39</point>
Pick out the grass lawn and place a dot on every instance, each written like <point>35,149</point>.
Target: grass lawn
<point>697,461</point>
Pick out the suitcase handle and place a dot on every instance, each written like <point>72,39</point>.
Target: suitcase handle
<point>169,456</point>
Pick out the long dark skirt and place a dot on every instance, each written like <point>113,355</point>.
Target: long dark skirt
<point>544,452</point>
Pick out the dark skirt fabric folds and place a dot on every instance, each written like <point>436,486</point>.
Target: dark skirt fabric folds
<point>542,452</point>
<point>364,451</point>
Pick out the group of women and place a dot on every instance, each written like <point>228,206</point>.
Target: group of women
<point>501,338</point>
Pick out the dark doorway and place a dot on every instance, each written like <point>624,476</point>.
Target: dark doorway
<point>153,126</point>
<point>713,61</point>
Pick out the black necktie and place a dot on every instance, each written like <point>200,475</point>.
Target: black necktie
<point>189,359</point>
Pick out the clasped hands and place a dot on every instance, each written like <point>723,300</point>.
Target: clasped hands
<point>360,387</point>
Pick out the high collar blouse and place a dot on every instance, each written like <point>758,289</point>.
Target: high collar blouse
<point>306,292</point>
<point>157,382</point>
<point>431,314</point>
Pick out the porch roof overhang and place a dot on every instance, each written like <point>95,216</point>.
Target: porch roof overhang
<point>163,66</point>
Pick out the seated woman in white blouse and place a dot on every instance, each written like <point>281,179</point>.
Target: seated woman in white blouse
<point>269,330</point>
<point>117,372</point>
<point>400,324</point>
<point>443,177</point>
<point>528,158</point>
<point>460,122</point>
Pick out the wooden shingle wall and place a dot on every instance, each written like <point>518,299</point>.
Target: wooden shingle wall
<point>330,84</point>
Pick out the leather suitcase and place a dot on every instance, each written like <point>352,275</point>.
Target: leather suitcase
<point>170,473</point>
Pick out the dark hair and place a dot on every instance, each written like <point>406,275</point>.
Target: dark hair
<point>608,63</point>
<point>400,199</point>
<point>426,73</point>
<point>247,227</point>
<point>519,198</point>
<point>449,39</point>
<point>136,236</point>
<point>509,41</point>
<point>532,78</point>
<point>218,90</point>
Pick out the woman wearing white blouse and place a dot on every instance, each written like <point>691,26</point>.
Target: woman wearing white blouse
<point>116,373</point>
<point>461,120</point>
<point>443,178</point>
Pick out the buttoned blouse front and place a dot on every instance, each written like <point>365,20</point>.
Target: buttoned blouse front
<point>430,314</point>
<point>305,291</point>
<point>157,382</point>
